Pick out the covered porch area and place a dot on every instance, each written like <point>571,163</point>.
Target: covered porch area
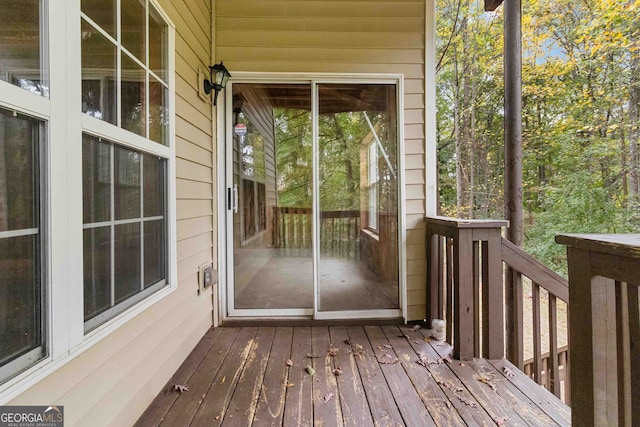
<point>345,375</point>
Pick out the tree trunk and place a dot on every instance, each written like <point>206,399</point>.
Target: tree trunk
<point>634,130</point>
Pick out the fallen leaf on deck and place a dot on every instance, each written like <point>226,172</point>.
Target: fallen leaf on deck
<point>462,364</point>
<point>501,421</point>
<point>404,336</point>
<point>289,362</point>
<point>223,380</point>
<point>387,346</point>
<point>508,372</point>
<point>312,356</point>
<point>415,328</point>
<point>459,390</point>
<point>358,350</point>
<point>347,342</point>
<point>333,351</point>
<point>327,397</point>
<point>337,372</point>
<point>388,361</point>
<point>447,359</point>
<point>217,417</point>
<point>290,384</point>
<point>426,339</point>
<point>466,401</point>
<point>180,388</point>
<point>486,380</point>
<point>310,370</point>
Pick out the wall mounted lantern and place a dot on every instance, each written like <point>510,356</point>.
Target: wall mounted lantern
<point>219,75</point>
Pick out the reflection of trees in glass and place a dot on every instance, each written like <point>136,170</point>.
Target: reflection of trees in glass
<point>340,140</point>
<point>294,177</point>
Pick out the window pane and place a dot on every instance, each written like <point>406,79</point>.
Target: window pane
<point>22,45</point>
<point>127,261</point>
<point>133,103</point>
<point>98,75</point>
<point>103,13</point>
<point>19,297</point>
<point>127,183</point>
<point>133,17</point>
<point>357,129</point>
<point>154,252</point>
<point>18,172</point>
<point>158,42</point>
<point>96,180</point>
<point>97,271</point>
<point>158,112</point>
<point>154,186</point>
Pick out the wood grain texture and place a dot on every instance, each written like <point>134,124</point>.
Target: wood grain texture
<point>241,376</point>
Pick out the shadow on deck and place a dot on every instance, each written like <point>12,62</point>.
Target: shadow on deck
<point>389,376</point>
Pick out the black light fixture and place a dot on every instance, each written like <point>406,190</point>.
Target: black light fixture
<point>219,75</point>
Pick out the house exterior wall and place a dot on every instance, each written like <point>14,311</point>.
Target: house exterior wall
<point>112,381</point>
<point>324,36</point>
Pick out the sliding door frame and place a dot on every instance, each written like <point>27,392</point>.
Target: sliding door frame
<point>225,181</point>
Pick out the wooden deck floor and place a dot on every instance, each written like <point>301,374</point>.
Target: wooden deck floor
<point>241,376</point>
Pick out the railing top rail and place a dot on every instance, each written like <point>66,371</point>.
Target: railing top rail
<point>626,245</point>
<point>466,223</point>
<point>521,261</point>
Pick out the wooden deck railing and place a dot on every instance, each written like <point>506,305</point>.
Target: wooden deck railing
<point>339,230</point>
<point>466,285</point>
<point>604,323</point>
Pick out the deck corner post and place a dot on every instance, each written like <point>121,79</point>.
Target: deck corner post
<point>493,297</point>
<point>463,340</point>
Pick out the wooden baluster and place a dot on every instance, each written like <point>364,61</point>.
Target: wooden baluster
<point>478,327</point>
<point>441,285</point>
<point>449,314</point>
<point>493,296</point>
<point>554,369</point>
<point>537,339</point>
<point>623,356</point>
<point>634,348</point>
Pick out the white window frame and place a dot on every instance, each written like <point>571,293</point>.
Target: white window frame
<point>64,333</point>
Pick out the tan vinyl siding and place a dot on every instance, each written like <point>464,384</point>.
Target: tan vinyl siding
<point>113,382</point>
<point>329,36</point>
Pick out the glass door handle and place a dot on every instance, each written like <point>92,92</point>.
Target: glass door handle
<point>235,198</point>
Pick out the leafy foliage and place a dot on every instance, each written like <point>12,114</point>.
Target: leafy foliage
<point>581,95</point>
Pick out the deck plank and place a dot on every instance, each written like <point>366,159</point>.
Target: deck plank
<point>469,409</point>
<point>383,406</point>
<point>240,376</point>
<point>355,408</point>
<point>542,397</point>
<point>270,410</point>
<point>298,408</point>
<point>411,408</point>
<point>244,401</point>
<point>214,405</point>
<point>186,406</point>
<point>161,406</point>
<point>499,408</point>
<point>325,386</point>
<point>436,401</point>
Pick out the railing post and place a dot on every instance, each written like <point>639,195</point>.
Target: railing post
<point>463,314</point>
<point>604,327</point>
<point>493,296</point>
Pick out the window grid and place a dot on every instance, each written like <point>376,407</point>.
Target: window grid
<point>120,51</point>
<point>99,316</point>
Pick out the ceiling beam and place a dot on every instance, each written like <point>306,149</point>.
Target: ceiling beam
<point>491,5</point>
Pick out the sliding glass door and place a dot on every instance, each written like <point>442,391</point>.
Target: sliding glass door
<point>358,197</point>
<point>312,199</point>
